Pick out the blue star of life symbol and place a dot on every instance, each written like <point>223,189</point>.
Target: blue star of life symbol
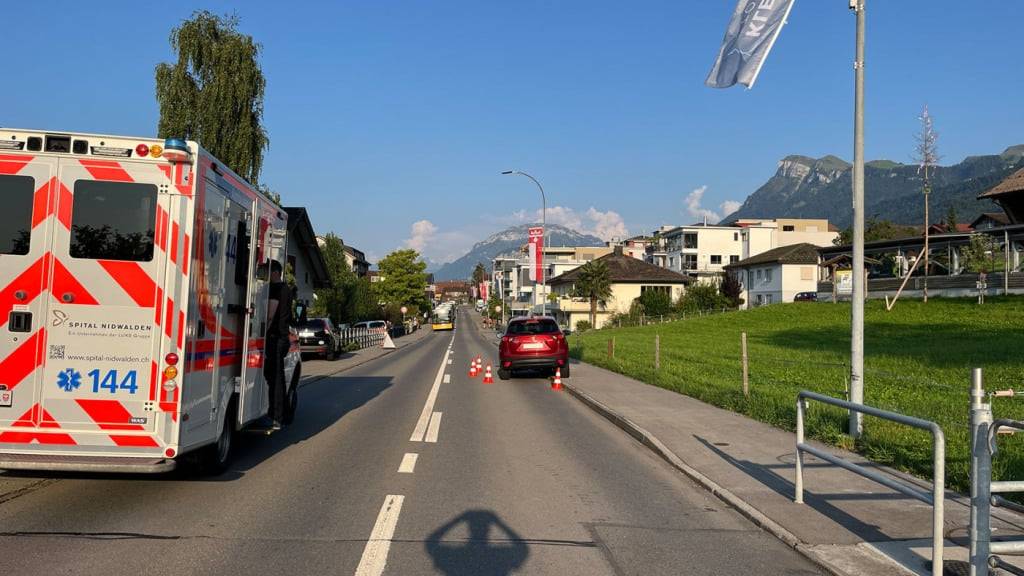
<point>69,379</point>
<point>211,242</point>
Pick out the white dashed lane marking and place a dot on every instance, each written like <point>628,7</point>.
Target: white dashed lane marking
<point>428,408</point>
<point>435,426</point>
<point>408,463</point>
<point>375,555</point>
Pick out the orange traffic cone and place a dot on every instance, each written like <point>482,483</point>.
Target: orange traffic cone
<point>488,379</point>
<point>472,368</point>
<point>556,382</point>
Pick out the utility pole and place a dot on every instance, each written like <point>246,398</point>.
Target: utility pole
<point>859,278</point>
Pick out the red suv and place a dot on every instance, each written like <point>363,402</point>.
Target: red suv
<point>534,342</point>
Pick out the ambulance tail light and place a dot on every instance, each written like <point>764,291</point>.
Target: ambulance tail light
<point>142,150</point>
<point>170,373</point>
<point>171,359</point>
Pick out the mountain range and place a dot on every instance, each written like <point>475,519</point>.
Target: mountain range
<point>509,241</point>
<point>820,188</point>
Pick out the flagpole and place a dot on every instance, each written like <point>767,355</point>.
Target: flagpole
<point>859,277</point>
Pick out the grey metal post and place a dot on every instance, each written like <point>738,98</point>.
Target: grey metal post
<point>938,498</point>
<point>543,235</point>
<point>657,351</point>
<point>746,367</point>
<point>859,280</point>
<point>981,478</point>
<point>1006,265</point>
<point>801,407</point>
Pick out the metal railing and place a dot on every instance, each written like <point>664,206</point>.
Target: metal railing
<point>936,499</point>
<point>983,490</point>
<point>365,337</point>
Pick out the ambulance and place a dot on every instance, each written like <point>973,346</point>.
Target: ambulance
<point>134,290</point>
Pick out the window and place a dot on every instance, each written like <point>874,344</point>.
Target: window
<point>689,261</point>
<point>663,289</point>
<point>544,326</point>
<point>788,228</point>
<point>735,236</point>
<point>758,273</point>
<point>672,262</point>
<point>113,220</point>
<point>767,298</point>
<point>716,258</point>
<point>734,259</point>
<point>759,300</point>
<point>767,275</point>
<point>16,218</point>
<point>806,273</point>
<point>690,240</point>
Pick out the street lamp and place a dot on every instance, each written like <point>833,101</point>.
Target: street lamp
<point>544,231</point>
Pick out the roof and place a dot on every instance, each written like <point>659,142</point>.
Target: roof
<point>802,253</point>
<point>301,229</point>
<point>626,269</point>
<point>1013,183</point>
<point>997,217</point>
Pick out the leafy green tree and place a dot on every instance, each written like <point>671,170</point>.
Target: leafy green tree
<point>980,254</point>
<point>479,273</point>
<point>731,288</point>
<point>951,218</point>
<point>877,230</point>
<point>334,301</point>
<point>594,283</point>
<point>701,297</point>
<point>403,281</point>
<point>214,92</point>
<point>655,302</point>
<point>492,307</point>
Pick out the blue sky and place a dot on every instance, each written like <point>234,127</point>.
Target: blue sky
<point>391,120</point>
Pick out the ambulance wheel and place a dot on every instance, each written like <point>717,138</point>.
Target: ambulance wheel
<point>216,457</point>
<point>292,400</point>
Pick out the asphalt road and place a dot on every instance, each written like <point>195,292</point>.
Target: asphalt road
<point>510,478</point>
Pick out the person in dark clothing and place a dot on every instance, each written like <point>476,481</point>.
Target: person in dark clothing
<point>279,319</point>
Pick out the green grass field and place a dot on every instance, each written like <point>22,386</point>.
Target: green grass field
<point>918,359</point>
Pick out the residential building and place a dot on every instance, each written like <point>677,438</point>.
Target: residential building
<point>304,256</point>
<point>630,278</point>
<point>357,261</point>
<point>989,220</point>
<point>522,293</point>
<point>1009,194</point>
<point>635,247</point>
<point>777,275</point>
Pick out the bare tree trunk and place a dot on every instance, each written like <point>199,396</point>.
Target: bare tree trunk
<point>593,312</point>
<point>927,187</point>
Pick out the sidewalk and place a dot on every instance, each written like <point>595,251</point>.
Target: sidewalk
<point>314,370</point>
<point>848,525</point>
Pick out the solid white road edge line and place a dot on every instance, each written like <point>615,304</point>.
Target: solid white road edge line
<point>421,425</point>
<point>435,426</point>
<point>375,555</point>
<point>408,464</point>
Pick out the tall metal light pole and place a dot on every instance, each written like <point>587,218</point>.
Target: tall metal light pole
<point>859,277</point>
<point>544,231</point>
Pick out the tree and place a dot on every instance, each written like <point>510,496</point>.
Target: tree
<point>334,301</point>
<point>701,297</point>
<point>927,158</point>
<point>655,302</point>
<point>594,283</point>
<point>403,281</point>
<point>979,255</point>
<point>731,288</point>
<point>479,274</point>
<point>951,218</point>
<point>214,92</point>
<point>875,229</point>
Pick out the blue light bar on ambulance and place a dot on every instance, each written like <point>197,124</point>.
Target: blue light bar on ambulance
<point>176,150</point>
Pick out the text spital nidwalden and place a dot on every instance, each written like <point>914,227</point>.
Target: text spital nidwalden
<point>110,326</point>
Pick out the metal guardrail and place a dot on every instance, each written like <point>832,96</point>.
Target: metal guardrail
<point>983,490</point>
<point>937,497</point>
<point>365,337</point>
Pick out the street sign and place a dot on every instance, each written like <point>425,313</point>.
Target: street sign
<point>404,309</point>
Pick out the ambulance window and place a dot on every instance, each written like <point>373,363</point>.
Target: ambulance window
<point>16,218</point>
<point>113,220</point>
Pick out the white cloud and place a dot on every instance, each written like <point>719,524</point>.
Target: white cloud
<point>435,245</point>
<point>729,206</point>
<point>604,225</point>
<point>696,210</point>
<point>423,232</point>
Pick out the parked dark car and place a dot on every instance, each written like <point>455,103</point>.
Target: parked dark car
<point>534,342</point>
<point>805,297</point>
<point>318,336</point>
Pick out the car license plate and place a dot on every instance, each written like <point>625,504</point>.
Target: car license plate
<point>305,334</point>
<point>6,397</point>
<point>533,346</point>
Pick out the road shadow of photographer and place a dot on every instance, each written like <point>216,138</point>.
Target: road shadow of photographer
<point>491,549</point>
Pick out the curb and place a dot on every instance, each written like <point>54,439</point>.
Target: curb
<point>652,443</point>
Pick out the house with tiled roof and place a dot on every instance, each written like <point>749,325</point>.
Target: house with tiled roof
<point>630,277</point>
<point>777,275</point>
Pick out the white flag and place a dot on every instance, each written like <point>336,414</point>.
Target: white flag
<point>749,38</point>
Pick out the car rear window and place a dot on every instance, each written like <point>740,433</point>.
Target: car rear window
<point>314,325</point>
<point>17,193</point>
<point>546,326</point>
